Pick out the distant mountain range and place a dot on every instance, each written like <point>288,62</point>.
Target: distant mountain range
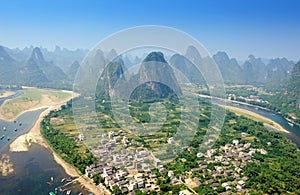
<point>40,67</point>
<point>272,75</point>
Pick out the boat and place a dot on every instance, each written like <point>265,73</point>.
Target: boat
<point>69,179</point>
<point>64,179</point>
<point>2,137</point>
<point>16,129</point>
<point>8,138</point>
<point>52,179</point>
<point>68,192</point>
<point>20,124</point>
<point>291,124</point>
<point>4,128</point>
<point>52,193</point>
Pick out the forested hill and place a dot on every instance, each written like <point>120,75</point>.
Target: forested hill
<point>291,97</point>
<point>288,101</point>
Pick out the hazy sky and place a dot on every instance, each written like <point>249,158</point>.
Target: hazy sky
<point>265,28</point>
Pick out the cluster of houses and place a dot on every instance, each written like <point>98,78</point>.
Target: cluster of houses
<point>117,150</point>
<point>127,181</point>
<point>231,160</point>
<point>250,98</point>
<point>120,160</point>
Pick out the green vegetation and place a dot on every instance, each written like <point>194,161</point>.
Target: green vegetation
<point>288,102</point>
<point>278,171</point>
<point>71,151</point>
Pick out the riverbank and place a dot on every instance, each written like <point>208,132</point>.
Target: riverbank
<point>7,93</point>
<point>32,99</point>
<point>34,136</point>
<point>265,120</point>
<point>247,104</point>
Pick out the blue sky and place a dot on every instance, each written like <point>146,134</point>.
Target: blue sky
<point>265,28</point>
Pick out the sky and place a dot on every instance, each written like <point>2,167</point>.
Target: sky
<point>264,28</point>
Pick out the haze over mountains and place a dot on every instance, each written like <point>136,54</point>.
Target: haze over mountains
<point>40,67</point>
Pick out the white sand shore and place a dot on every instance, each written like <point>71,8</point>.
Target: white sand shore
<point>23,143</point>
<point>270,123</point>
<point>7,93</point>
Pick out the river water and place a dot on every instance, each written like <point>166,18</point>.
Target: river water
<point>32,169</point>
<point>294,130</point>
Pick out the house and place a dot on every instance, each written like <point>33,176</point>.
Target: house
<point>215,185</point>
<point>185,192</point>
<point>122,183</point>
<point>107,171</point>
<point>139,176</point>
<point>107,179</point>
<point>211,152</point>
<point>132,186</point>
<point>171,174</point>
<point>200,155</point>
<point>125,140</point>
<point>121,174</point>
<point>111,134</point>
<point>161,170</point>
<point>152,176</point>
<point>124,190</point>
<point>241,182</point>
<point>111,184</point>
<point>171,140</point>
<point>175,181</point>
<point>209,181</point>
<point>235,142</point>
<point>157,162</point>
<point>155,187</point>
<point>104,141</point>
<point>140,184</point>
<point>182,177</point>
<point>262,151</point>
<point>116,140</point>
<point>81,137</point>
<point>194,170</point>
<point>247,145</point>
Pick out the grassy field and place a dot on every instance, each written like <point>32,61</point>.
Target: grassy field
<point>32,98</point>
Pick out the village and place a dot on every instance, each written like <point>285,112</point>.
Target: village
<point>131,167</point>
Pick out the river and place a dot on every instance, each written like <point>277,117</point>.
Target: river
<point>32,169</point>
<point>294,130</point>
